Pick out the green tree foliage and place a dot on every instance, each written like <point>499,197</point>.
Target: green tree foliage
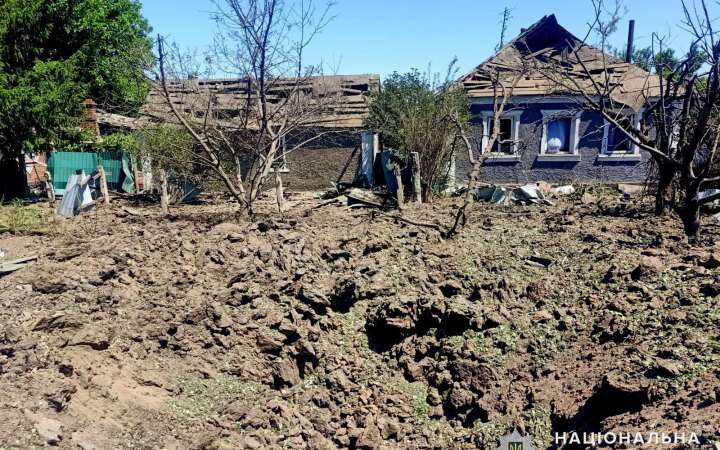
<point>119,142</point>
<point>418,112</point>
<point>663,61</point>
<point>54,54</point>
<point>167,148</point>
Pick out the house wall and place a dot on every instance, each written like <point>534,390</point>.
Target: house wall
<point>528,169</point>
<point>312,169</point>
<point>35,169</point>
<point>317,165</point>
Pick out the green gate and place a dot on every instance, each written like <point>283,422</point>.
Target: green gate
<point>112,162</point>
<point>63,164</point>
<point>116,164</point>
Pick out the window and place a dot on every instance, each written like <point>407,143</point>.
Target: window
<point>505,146</point>
<point>560,140</point>
<point>616,144</point>
<point>558,137</point>
<point>504,141</point>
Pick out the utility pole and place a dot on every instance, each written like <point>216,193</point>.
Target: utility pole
<point>506,15</point>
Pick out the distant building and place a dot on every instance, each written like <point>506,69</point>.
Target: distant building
<point>545,133</point>
<point>315,165</point>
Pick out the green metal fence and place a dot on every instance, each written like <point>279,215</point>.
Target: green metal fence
<point>112,163</point>
<point>117,167</point>
<point>63,164</point>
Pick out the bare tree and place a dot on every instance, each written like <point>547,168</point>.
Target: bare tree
<point>274,94</point>
<point>503,82</point>
<point>675,109</point>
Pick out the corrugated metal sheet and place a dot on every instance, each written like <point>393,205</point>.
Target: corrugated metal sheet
<point>63,164</point>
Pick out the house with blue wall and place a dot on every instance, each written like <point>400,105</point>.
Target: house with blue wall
<point>547,132</point>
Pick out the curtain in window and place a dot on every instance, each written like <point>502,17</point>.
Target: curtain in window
<point>558,136</point>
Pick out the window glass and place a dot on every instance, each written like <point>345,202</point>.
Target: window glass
<point>617,140</point>
<point>504,141</point>
<point>558,136</point>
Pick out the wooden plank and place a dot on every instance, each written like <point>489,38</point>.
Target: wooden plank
<point>17,264</point>
<point>103,184</point>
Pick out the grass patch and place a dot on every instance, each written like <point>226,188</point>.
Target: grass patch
<point>19,218</point>
<point>200,399</point>
<point>488,433</point>
<point>540,426</point>
<point>418,393</point>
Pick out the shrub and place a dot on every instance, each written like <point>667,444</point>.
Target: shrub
<point>418,112</point>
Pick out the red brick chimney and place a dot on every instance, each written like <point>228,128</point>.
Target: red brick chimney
<point>90,119</point>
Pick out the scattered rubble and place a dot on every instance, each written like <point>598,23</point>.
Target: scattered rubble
<point>50,431</point>
<point>529,194</point>
<point>329,328</point>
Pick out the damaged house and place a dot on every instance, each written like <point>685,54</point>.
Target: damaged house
<point>546,133</point>
<point>329,140</point>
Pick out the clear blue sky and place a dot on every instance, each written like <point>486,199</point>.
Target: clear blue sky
<point>382,36</point>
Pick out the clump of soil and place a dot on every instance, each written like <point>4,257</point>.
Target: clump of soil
<point>336,328</point>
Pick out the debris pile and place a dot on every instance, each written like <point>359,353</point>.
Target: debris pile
<point>327,329</point>
<point>529,194</point>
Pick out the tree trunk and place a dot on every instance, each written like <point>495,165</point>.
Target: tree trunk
<point>164,201</point>
<point>690,212</point>
<point>461,215</point>
<point>666,175</point>
<point>13,181</point>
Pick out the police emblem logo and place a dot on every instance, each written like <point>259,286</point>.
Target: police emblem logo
<point>516,441</point>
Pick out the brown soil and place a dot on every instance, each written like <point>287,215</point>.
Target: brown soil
<point>336,328</point>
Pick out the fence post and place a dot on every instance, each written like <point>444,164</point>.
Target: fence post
<point>370,147</point>
<point>50,188</point>
<point>417,186</point>
<point>398,179</point>
<point>164,197</point>
<point>103,184</point>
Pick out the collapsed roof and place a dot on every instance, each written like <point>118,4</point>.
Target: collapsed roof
<point>335,101</point>
<point>552,61</point>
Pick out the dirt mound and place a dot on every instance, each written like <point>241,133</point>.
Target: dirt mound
<point>335,328</point>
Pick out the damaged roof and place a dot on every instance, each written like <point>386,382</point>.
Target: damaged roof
<point>553,61</point>
<point>334,101</point>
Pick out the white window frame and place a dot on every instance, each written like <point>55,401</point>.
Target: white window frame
<point>633,153</point>
<point>573,153</point>
<point>514,116</point>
